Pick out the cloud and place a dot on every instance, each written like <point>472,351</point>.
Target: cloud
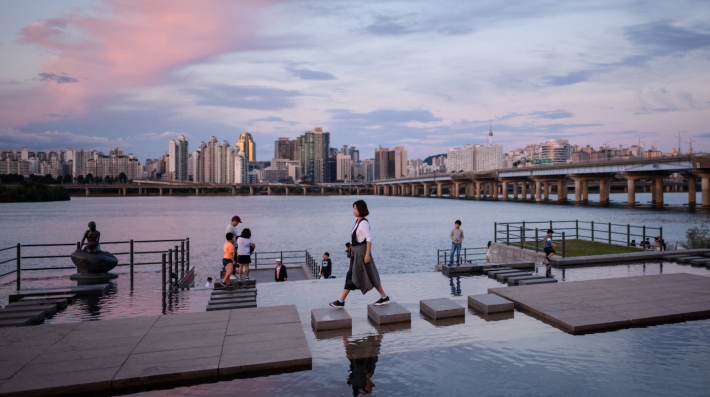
<point>553,114</point>
<point>273,119</point>
<point>53,140</point>
<point>124,44</point>
<point>244,97</point>
<point>305,74</point>
<point>568,79</point>
<point>385,116</point>
<point>153,136</point>
<point>664,39</point>
<point>413,23</point>
<point>59,78</point>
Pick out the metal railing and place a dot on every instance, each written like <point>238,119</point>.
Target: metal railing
<point>467,255</point>
<point>182,261</point>
<point>529,234</point>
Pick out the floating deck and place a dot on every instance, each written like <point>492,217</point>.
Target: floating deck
<point>112,356</point>
<point>600,305</point>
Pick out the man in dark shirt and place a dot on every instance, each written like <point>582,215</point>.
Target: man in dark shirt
<point>280,272</point>
<point>325,266</point>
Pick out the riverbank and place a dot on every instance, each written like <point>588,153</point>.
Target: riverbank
<point>32,192</point>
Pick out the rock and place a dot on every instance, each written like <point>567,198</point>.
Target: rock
<point>93,263</point>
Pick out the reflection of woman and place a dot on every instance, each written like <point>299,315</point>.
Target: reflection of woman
<point>362,354</point>
<point>362,274</point>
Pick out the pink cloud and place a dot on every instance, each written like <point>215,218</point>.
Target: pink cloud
<point>134,44</point>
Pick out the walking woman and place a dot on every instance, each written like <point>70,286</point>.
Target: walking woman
<point>362,274</point>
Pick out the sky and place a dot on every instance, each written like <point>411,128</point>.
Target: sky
<point>426,75</point>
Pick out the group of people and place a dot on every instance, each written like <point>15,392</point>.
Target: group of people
<point>237,252</point>
<point>658,244</point>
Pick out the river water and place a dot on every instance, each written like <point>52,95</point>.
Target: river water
<point>511,356</point>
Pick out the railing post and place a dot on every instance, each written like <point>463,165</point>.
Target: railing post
<point>170,267</point>
<point>643,237</point>
<point>464,254</point>
<point>522,239</point>
<point>187,246</point>
<point>19,265</point>
<point>130,260</point>
<point>550,221</point>
<point>537,241</point>
<point>182,259</point>
<point>78,246</point>
<point>660,232</point>
<point>628,235</point>
<point>564,249</point>
<point>592,230</point>
<point>576,228</point>
<point>507,234</point>
<point>163,273</point>
<point>609,232</point>
<point>495,232</point>
<point>177,265</point>
<point>282,257</point>
<point>438,256</point>
<point>256,261</point>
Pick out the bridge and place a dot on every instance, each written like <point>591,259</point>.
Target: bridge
<point>536,183</point>
<point>160,188</point>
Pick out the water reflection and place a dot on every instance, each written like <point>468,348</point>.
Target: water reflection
<point>455,291</point>
<point>363,354</point>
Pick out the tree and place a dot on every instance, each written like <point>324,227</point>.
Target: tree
<point>98,179</point>
<point>89,178</point>
<point>122,177</point>
<point>59,179</point>
<point>697,237</point>
<point>67,178</point>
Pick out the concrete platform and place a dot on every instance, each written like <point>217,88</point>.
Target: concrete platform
<point>479,267</point>
<point>70,298</point>
<point>600,305</point>
<point>616,258</point>
<point>537,281</point>
<point>117,356</point>
<point>504,277</point>
<point>688,259</point>
<point>48,309</point>
<point>489,303</point>
<point>78,290</point>
<point>514,280</point>
<point>388,314</point>
<point>495,273</point>
<point>442,308</point>
<point>328,319</point>
<point>15,323</point>
<point>485,271</point>
<point>35,316</point>
<point>60,303</point>
<point>700,262</point>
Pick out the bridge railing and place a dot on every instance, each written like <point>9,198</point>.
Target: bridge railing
<point>178,256</point>
<point>529,235</point>
<point>467,255</point>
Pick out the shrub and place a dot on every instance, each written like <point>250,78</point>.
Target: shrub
<point>697,237</point>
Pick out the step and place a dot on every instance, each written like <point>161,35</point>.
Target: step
<point>36,316</point>
<point>700,262</point>
<point>673,257</point>
<point>231,297</point>
<point>242,292</point>
<point>441,308</point>
<point>221,290</point>
<point>514,280</point>
<point>230,301</point>
<point>61,303</point>
<point>504,277</point>
<point>70,298</point>
<point>327,319</point>
<point>485,271</point>
<point>490,303</point>
<point>688,259</point>
<point>15,323</point>
<point>388,314</point>
<point>495,274</point>
<point>48,309</point>
<point>533,282</point>
<point>230,306</point>
<point>79,290</point>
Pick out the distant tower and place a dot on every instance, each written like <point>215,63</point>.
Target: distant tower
<point>247,146</point>
<point>490,135</point>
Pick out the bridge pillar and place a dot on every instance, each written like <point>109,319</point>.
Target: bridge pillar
<point>705,189</point>
<point>234,191</point>
<point>160,189</point>
<point>124,192</point>
<point>197,191</point>
<point>414,190</point>
<point>268,190</point>
<point>322,191</point>
<point>340,191</point>
<point>524,190</point>
<point>578,191</point>
<point>171,191</point>
<point>286,190</point>
<point>515,190</point>
<point>658,191</point>
<point>505,190</point>
<point>438,189</point>
<point>495,190</point>
<point>478,189</point>
<point>561,190</point>
<point>691,189</point>
<point>604,190</point>
<point>304,190</point>
<point>538,191</point>
<point>585,190</point>
<point>548,187</point>
<point>455,192</point>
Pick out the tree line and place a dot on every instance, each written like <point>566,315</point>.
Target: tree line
<point>61,180</point>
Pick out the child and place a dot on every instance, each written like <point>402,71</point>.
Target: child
<point>325,266</point>
<point>245,246</point>
<point>549,251</point>
<point>209,283</point>
<point>228,259</point>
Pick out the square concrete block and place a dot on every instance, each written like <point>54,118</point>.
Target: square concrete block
<point>504,277</point>
<point>441,308</point>
<point>330,318</point>
<point>537,281</point>
<point>514,280</point>
<point>489,303</point>
<point>388,314</point>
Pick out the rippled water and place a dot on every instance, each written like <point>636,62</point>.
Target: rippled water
<point>488,356</point>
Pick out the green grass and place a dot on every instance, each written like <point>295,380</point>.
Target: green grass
<point>587,248</point>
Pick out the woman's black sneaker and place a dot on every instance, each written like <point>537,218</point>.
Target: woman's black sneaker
<point>383,301</point>
<point>337,304</point>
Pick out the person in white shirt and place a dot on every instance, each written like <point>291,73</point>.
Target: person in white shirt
<point>245,246</point>
<point>232,228</point>
<point>209,284</point>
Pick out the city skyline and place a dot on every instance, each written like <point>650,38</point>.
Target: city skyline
<point>425,75</point>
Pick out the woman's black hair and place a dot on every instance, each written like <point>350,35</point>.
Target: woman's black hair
<point>489,244</point>
<point>246,233</point>
<point>327,254</point>
<point>361,208</point>
<point>230,236</point>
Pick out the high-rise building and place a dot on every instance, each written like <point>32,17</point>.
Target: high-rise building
<point>461,158</point>
<point>177,162</point>
<point>400,162</point>
<point>330,170</point>
<point>381,159</point>
<point>315,147</point>
<point>282,149</point>
<point>365,171</point>
<point>343,168</point>
<point>247,146</point>
<point>489,157</point>
<point>208,160</point>
<point>555,151</point>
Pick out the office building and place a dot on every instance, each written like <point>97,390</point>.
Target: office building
<point>247,146</point>
<point>343,167</point>
<point>315,147</point>
<point>381,160</point>
<point>178,159</point>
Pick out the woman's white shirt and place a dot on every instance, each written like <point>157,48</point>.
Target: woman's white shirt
<point>363,231</point>
<point>243,246</point>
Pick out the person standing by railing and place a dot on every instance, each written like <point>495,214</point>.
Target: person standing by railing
<point>363,274</point>
<point>245,246</point>
<point>456,241</point>
<point>228,259</point>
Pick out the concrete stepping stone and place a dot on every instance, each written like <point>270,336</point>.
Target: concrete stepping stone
<point>328,319</point>
<point>700,262</point>
<point>69,298</point>
<point>688,259</point>
<point>489,303</point>
<point>230,306</point>
<point>388,314</point>
<point>48,309</point>
<point>78,290</point>
<point>540,281</point>
<point>61,303</point>
<point>230,301</point>
<point>441,308</point>
<point>15,323</point>
<point>495,274</point>
<point>444,322</point>
<point>495,316</point>
<point>514,280</point>
<point>495,269</point>
<point>36,316</point>
<point>504,276</point>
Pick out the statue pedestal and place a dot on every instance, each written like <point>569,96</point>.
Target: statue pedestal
<point>92,278</point>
